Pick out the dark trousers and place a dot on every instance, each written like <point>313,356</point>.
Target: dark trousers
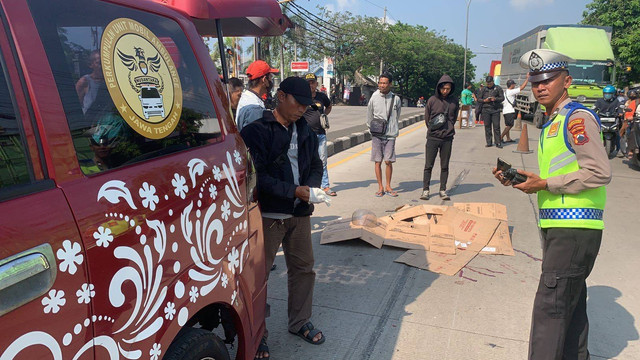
<point>295,236</point>
<point>491,120</point>
<point>559,326</point>
<point>431,149</point>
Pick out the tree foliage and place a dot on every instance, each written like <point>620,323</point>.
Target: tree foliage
<point>624,17</point>
<point>416,56</point>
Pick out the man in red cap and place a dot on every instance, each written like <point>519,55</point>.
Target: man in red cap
<point>285,154</point>
<point>251,105</point>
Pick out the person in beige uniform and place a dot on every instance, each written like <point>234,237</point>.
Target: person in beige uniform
<point>574,170</point>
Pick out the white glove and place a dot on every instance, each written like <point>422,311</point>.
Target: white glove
<point>317,196</point>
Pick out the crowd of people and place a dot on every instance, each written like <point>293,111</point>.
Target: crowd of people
<point>288,146</point>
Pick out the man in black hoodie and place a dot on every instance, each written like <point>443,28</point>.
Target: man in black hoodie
<point>440,138</point>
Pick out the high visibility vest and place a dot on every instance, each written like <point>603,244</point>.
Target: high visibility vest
<point>556,156</point>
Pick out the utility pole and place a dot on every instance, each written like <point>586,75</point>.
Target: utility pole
<point>466,36</point>
<point>384,23</point>
<point>282,68</point>
<point>295,51</point>
<point>235,58</point>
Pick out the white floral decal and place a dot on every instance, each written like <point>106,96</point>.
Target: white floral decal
<point>54,301</point>
<point>155,351</point>
<point>225,210</point>
<point>103,236</point>
<point>69,256</point>
<point>115,190</point>
<point>236,157</point>
<point>225,280</point>
<point>170,311</point>
<point>148,194</point>
<point>217,174</point>
<point>179,183</point>
<point>234,260</point>
<point>85,293</point>
<point>196,167</point>
<point>193,294</point>
<point>213,192</point>
<point>233,188</point>
<point>234,297</point>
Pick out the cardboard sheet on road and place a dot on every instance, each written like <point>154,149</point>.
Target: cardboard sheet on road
<point>437,262</point>
<point>441,239</point>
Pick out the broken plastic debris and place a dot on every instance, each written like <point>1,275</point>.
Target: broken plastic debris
<point>364,217</point>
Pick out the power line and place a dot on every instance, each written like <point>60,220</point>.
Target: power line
<point>314,33</point>
<point>315,16</point>
<point>374,4</point>
<point>318,27</point>
<point>311,22</point>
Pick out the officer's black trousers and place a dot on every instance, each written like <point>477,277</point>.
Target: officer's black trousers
<point>492,121</point>
<point>559,327</point>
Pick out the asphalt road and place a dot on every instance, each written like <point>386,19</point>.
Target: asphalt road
<point>345,120</point>
<point>372,308</point>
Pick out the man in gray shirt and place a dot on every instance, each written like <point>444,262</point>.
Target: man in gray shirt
<point>386,106</point>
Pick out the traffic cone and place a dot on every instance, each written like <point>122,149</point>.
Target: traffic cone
<point>523,144</point>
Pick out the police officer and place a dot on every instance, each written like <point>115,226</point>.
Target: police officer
<point>574,170</point>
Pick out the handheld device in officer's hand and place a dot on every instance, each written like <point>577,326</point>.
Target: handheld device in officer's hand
<point>510,173</point>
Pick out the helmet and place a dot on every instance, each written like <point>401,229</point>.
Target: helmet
<point>608,92</point>
<point>633,94</point>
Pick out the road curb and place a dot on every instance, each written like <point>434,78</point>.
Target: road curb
<point>357,138</point>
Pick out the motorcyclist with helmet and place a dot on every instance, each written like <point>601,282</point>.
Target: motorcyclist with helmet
<point>611,106</point>
<point>609,102</point>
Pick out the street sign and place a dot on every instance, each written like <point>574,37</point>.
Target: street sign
<point>328,67</point>
<point>300,66</point>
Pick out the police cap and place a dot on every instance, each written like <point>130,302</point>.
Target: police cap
<point>544,64</point>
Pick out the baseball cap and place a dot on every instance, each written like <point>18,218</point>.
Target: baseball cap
<point>488,79</point>
<point>299,88</point>
<point>510,82</point>
<point>260,68</point>
<point>311,76</point>
<point>544,64</point>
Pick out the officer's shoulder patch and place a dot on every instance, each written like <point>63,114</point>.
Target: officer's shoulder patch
<point>577,130</point>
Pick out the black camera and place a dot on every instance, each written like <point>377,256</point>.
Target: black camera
<point>510,173</point>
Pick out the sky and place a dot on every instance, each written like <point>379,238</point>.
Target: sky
<point>491,22</point>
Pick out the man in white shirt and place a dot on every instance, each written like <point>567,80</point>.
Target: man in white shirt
<point>251,104</point>
<point>508,111</point>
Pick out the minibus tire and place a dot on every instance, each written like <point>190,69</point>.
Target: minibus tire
<point>197,344</point>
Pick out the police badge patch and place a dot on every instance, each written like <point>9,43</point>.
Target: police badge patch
<point>553,130</point>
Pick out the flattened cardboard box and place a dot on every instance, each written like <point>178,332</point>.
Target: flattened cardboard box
<point>408,235</point>
<point>471,232</point>
<point>500,243</point>
<point>342,230</point>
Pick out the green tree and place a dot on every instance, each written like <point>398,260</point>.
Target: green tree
<point>624,17</point>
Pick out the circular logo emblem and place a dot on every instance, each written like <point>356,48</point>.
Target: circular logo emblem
<point>141,77</point>
<point>535,61</point>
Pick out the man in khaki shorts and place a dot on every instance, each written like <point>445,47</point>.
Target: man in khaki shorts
<point>384,105</point>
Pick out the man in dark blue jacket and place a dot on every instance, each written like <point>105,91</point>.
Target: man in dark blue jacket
<point>285,154</point>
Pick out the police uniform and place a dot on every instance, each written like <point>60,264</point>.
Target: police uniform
<point>572,159</point>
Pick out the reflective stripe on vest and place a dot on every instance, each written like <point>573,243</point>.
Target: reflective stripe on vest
<point>556,157</point>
